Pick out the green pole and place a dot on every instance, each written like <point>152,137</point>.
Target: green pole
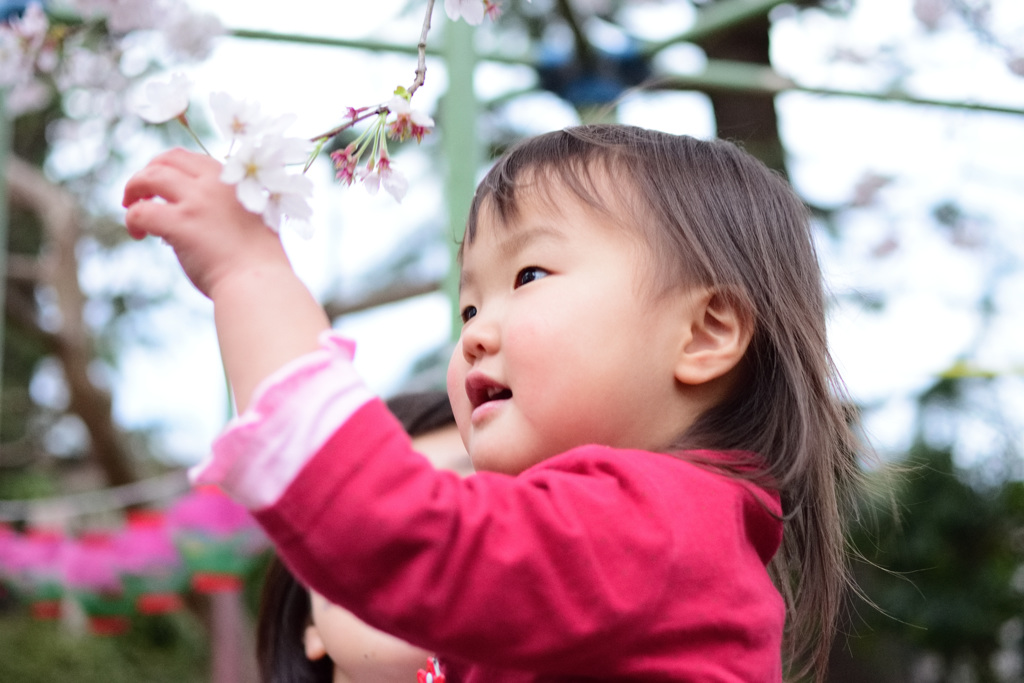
<point>5,150</point>
<point>728,75</point>
<point>718,17</point>
<point>461,143</point>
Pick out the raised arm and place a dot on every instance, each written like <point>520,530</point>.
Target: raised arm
<point>265,315</point>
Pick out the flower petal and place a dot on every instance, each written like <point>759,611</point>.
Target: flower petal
<point>473,12</point>
<point>395,183</point>
<point>251,195</point>
<point>164,101</point>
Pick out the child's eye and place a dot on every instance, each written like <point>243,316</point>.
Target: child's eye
<point>529,274</point>
<point>467,313</point>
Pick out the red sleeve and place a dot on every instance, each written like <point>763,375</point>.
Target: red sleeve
<point>569,564</point>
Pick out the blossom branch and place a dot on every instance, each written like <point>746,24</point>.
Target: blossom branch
<point>351,121</point>
<point>418,80</point>
<point>421,51</point>
<point>257,168</point>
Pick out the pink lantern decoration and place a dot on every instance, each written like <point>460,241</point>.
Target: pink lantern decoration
<point>31,563</point>
<point>152,570</point>
<point>218,539</point>
<point>92,573</point>
<point>7,539</point>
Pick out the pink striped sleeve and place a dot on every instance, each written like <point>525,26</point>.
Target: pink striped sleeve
<point>292,415</point>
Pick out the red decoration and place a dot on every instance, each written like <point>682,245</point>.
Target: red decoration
<point>31,564</point>
<point>432,674</point>
<point>152,570</point>
<point>218,539</point>
<point>92,572</point>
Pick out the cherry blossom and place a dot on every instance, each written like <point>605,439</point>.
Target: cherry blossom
<point>252,169</point>
<point>1016,64</point>
<point>408,122</point>
<point>163,101</point>
<point>33,26</point>
<point>88,69</point>
<point>492,8</point>
<point>124,16</point>
<point>14,67</point>
<point>470,10</point>
<point>353,113</point>
<point>288,198</point>
<point>21,43</point>
<point>258,169</point>
<point>380,173</point>
<point>237,119</point>
<point>241,119</point>
<point>190,33</point>
<point>29,95</point>
<point>345,161</point>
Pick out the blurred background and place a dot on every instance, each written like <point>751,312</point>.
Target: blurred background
<point>900,123</point>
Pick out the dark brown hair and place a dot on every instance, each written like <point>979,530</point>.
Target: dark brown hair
<point>285,609</point>
<point>714,216</point>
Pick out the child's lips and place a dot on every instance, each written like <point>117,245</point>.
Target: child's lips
<point>485,394</point>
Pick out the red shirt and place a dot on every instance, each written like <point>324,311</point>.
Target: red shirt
<point>597,563</point>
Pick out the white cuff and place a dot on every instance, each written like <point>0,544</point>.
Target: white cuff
<point>292,414</point>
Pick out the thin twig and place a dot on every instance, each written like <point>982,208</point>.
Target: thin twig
<point>420,77</point>
<point>382,109</point>
<point>421,51</point>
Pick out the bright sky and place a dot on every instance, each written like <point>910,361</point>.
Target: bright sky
<point>932,285</point>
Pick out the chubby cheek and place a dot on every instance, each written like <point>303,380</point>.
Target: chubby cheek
<point>456,384</point>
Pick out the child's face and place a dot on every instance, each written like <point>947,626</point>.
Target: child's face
<point>564,343</point>
<point>361,653</point>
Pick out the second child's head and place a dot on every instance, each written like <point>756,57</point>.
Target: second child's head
<point>635,289</point>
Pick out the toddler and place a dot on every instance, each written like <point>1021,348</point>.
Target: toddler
<point>642,383</point>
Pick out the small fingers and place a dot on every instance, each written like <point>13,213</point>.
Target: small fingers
<point>168,175</point>
<point>190,163</point>
<point>148,217</point>
<point>156,180</point>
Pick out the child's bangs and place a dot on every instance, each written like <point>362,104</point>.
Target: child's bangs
<point>539,169</point>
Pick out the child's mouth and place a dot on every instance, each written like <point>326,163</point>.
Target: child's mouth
<point>481,390</point>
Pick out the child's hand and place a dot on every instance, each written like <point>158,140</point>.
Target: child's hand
<point>213,235</point>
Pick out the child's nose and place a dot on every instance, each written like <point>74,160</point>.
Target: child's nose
<point>480,337</point>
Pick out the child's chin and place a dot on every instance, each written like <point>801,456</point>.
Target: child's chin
<point>487,460</point>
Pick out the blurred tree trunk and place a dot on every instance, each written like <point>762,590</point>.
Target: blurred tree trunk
<point>71,343</point>
<point>746,118</point>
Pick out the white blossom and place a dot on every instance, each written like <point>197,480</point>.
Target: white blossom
<point>32,26</point>
<point>470,10</point>
<point>192,34</point>
<point>408,122</point>
<point>27,96</point>
<point>124,16</point>
<point>382,174</point>
<point>162,101</point>
<point>15,66</point>
<point>84,68</point>
<point>288,198</point>
<point>1016,64</point>
<point>90,9</point>
<point>21,43</point>
<point>250,169</point>
<point>241,119</point>
<point>258,168</point>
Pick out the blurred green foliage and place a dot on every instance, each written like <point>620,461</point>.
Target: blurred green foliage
<point>156,649</point>
<point>943,554</point>
<point>167,648</point>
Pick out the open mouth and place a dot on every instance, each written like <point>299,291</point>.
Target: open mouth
<point>482,390</point>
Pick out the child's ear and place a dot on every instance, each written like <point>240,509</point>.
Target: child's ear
<point>313,643</point>
<point>719,332</point>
